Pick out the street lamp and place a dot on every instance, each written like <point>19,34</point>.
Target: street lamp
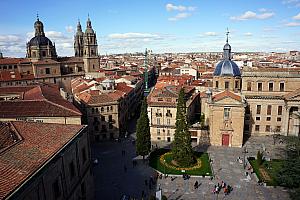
<point>245,151</point>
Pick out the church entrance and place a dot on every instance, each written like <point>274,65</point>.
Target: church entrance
<point>225,139</point>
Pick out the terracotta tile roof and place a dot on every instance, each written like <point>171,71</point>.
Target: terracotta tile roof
<point>40,142</point>
<point>124,88</point>
<point>225,94</point>
<point>7,61</point>
<point>46,62</point>
<point>293,94</point>
<point>38,100</point>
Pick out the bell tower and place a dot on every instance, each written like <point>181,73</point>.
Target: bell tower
<point>78,41</point>
<point>90,49</point>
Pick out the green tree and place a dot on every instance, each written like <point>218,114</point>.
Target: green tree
<point>289,175</point>
<point>181,147</point>
<point>143,143</point>
<point>259,158</point>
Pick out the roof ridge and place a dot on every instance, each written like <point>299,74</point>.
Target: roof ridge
<point>53,103</point>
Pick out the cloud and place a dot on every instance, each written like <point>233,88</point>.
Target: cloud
<point>292,3</point>
<point>69,29</point>
<point>292,24</point>
<point>180,8</point>
<point>248,34</point>
<point>132,35</point>
<point>262,10</point>
<point>179,16</point>
<point>297,17</point>
<point>252,15</point>
<point>210,34</point>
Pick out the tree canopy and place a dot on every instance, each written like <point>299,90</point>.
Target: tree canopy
<point>181,147</point>
<point>143,143</point>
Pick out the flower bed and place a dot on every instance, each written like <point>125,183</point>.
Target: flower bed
<point>267,171</point>
<point>161,160</point>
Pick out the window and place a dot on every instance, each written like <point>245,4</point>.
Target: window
<point>269,110</point>
<point>93,66</point>
<point>268,118</point>
<point>160,99</point>
<point>236,84</point>
<point>279,112</point>
<point>168,132</point>
<point>279,119</point>
<point>158,138</point>
<point>56,189</point>
<point>169,114</point>
<point>249,86</point>
<point>168,121</point>
<point>103,118</point>
<point>257,118</point>
<point>217,84</point>
<point>278,128</point>
<point>281,87</point>
<point>158,131</point>
<point>107,108</point>
<point>226,85</point>
<point>158,121</point>
<point>44,53</point>
<point>268,128</point>
<point>102,109</point>
<point>259,86</point>
<point>47,70</point>
<point>97,110</point>
<point>258,109</point>
<point>111,108</point>
<point>110,118</point>
<point>226,113</point>
<point>72,169</point>
<point>256,127</point>
<point>9,67</point>
<point>271,87</point>
<point>93,110</point>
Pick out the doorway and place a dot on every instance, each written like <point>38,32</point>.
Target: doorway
<point>225,139</point>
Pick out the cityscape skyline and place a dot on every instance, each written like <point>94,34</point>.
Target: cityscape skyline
<point>163,26</point>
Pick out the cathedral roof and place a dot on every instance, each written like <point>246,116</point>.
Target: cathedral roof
<point>39,40</point>
<point>227,67</point>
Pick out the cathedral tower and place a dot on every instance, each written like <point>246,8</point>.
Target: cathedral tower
<point>78,41</point>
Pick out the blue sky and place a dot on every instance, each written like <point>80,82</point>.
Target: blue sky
<point>161,25</point>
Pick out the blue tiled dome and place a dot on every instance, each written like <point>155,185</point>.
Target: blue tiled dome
<point>39,40</point>
<point>227,68</point>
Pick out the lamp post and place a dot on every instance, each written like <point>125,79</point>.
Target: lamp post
<point>245,151</point>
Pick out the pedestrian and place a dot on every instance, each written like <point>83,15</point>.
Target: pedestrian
<point>196,185</point>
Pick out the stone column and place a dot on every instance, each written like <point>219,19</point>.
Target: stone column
<point>285,121</point>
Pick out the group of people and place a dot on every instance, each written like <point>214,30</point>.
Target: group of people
<point>223,186</point>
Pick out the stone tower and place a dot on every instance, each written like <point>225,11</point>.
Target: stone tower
<point>78,41</point>
<point>90,49</point>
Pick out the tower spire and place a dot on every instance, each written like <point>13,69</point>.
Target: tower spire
<point>227,33</point>
<point>37,16</point>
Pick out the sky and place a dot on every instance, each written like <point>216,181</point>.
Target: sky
<point>129,26</point>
